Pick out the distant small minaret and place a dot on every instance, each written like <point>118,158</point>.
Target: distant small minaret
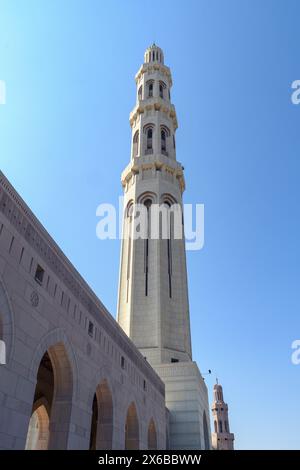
<point>222,438</point>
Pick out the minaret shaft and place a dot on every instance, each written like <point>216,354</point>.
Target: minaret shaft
<point>153,295</point>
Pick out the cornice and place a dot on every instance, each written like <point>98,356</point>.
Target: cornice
<point>156,104</point>
<point>139,164</point>
<point>154,67</point>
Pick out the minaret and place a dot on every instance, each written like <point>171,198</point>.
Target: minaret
<point>153,307</point>
<point>222,438</point>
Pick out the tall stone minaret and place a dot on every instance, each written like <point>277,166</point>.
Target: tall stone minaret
<point>153,307</point>
<point>222,438</point>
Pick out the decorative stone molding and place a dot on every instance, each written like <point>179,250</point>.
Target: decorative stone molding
<point>155,104</point>
<point>152,68</point>
<point>133,168</point>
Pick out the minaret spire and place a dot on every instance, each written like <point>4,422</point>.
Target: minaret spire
<point>222,438</point>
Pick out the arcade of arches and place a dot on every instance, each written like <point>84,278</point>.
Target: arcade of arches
<point>51,409</point>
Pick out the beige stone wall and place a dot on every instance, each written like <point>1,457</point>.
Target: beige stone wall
<point>187,403</point>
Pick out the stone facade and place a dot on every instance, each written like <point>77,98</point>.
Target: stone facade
<point>153,307</point>
<point>72,378</point>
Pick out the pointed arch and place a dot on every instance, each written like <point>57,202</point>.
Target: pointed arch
<point>166,129</point>
<point>149,88</point>
<point>147,195</point>
<point>148,130</point>
<point>152,436</point>
<point>162,88</point>
<point>132,434</point>
<point>58,341</point>
<point>167,198</point>
<point>54,370</point>
<point>140,92</point>
<point>135,144</point>
<point>102,418</point>
<point>164,139</point>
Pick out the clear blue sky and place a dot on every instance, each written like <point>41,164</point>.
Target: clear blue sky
<point>65,138</point>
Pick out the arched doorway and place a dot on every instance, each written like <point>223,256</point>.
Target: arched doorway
<point>102,418</point>
<point>51,410</point>
<point>132,440</point>
<point>152,437</point>
<point>205,432</point>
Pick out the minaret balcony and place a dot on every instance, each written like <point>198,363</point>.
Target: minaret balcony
<point>159,162</point>
<point>153,67</point>
<point>154,104</point>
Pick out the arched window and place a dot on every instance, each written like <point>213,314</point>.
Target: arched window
<point>149,139</point>
<point>161,91</point>
<point>140,92</point>
<point>148,204</point>
<point>164,134</point>
<point>220,426</point>
<point>163,140</point>
<point>135,146</point>
<point>129,216</point>
<point>216,426</point>
<point>150,90</point>
<point>166,232</point>
<point>162,87</point>
<point>226,426</point>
